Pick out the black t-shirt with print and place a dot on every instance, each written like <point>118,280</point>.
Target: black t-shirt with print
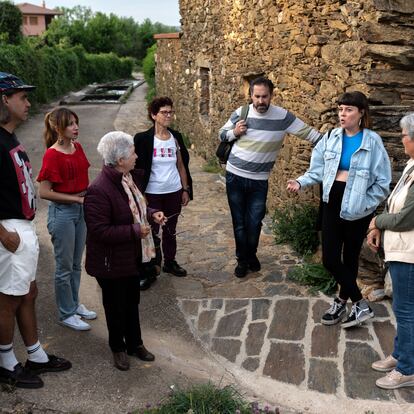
<point>17,192</point>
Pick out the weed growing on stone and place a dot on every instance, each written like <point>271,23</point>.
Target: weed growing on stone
<point>315,276</point>
<point>207,399</point>
<point>212,166</point>
<point>295,224</point>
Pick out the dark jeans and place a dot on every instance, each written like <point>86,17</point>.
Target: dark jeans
<point>247,201</point>
<point>170,204</point>
<point>402,275</point>
<point>341,244</point>
<point>120,300</point>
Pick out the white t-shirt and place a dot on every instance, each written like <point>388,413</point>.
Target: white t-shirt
<point>164,176</point>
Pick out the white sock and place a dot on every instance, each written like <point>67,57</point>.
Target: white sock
<point>7,358</point>
<point>37,353</point>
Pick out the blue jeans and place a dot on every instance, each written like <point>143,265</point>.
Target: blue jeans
<point>67,227</point>
<point>402,275</point>
<point>247,201</point>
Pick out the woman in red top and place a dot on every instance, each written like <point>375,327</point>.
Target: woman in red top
<point>63,181</point>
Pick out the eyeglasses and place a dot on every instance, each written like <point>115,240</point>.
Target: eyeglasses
<point>166,113</point>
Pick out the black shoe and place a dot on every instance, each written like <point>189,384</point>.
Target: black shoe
<point>360,312</point>
<point>335,313</point>
<point>142,353</point>
<point>20,377</point>
<point>55,364</point>
<point>171,266</point>
<point>145,283</point>
<point>254,264</point>
<point>241,269</point>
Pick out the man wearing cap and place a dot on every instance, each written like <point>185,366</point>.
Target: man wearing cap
<point>19,247</point>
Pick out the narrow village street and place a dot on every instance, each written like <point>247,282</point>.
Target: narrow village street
<point>261,333</point>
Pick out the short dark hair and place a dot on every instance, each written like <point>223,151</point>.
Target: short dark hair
<point>156,104</point>
<point>261,80</point>
<point>359,100</point>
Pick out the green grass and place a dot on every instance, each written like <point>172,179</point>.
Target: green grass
<point>212,166</point>
<point>206,399</point>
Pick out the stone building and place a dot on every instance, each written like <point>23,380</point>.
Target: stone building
<point>313,50</point>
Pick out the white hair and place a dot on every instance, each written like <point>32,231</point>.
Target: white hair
<point>407,123</point>
<point>115,145</point>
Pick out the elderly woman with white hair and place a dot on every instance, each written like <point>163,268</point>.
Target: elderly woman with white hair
<point>395,226</point>
<point>118,241</point>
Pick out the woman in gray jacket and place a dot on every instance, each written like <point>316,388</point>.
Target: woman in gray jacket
<point>396,226</point>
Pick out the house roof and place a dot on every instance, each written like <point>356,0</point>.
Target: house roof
<point>27,8</point>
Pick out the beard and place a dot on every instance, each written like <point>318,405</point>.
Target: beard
<point>261,108</point>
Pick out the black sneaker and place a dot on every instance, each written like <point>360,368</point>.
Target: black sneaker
<point>335,313</point>
<point>20,377</point>
<point>254,264</point>
<point>171,266</point>
<point>241,269</point>
<point>360,312</point>
<point>55,364</point>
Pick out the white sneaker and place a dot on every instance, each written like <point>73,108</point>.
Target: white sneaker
<point>76,323</point>
<point>85,312</point>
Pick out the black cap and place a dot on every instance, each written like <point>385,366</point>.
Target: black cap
<point>10,84</point>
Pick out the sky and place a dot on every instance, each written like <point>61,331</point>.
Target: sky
<point>163,11</point>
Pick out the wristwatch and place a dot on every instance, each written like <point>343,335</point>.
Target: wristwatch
<point>186,189</point>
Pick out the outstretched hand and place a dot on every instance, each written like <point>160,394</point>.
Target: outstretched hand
<point>293,186</point>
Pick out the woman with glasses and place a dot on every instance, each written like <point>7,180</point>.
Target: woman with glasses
<point>167,182</point>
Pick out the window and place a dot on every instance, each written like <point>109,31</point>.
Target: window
<point>33,20</point>
<point>24,19</point>
<point>205,92</point>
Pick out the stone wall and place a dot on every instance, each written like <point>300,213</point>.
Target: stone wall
<point>313,50</point>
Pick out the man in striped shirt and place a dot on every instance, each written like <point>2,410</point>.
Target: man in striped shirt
<point>258,142</point>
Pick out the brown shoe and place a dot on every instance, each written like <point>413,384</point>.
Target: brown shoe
<point>121,361</point>
<point>142,353</point>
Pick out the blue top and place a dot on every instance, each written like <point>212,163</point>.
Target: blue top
<point>349,146</point>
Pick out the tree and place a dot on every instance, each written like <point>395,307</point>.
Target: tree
<point>11,20</point>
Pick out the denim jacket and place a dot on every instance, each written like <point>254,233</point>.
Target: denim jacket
<point>369,173</point>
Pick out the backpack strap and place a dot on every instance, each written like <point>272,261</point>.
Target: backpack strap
<point>244,112</point>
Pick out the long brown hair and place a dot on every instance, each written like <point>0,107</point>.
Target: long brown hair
<point>56,122</point>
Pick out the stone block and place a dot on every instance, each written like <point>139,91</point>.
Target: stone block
<point>379,309</point>
<point>274,277</point>
<point>251,364</point>
<point>359,377</point>
<point>260,308</point>
<point>325,341</point>
<point>216,303</point>
<point>289,319</point>
<point>231,325</point>
<point>285,362</point>
<point>385,332</point>
<point>190,307</point>
<point>227,348</point>
<point>235,304</point>
<point>255,338</point>
<point>206,320</point>
<point>358,334</point>
<point>323,376</point>
<point>282,289</point>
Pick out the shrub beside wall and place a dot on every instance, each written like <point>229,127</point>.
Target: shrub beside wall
<point>55,70</point>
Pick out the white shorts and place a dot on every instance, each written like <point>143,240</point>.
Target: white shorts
<point>18,269</point>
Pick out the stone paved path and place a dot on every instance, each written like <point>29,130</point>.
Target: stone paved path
<point>266,325</point>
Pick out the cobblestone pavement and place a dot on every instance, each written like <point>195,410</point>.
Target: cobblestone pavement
<point>265,324</point>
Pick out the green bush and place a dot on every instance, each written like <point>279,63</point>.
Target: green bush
<point>315,276</point>
<point>56,70</point>
<point>148,67</point>
<point>295,224</point>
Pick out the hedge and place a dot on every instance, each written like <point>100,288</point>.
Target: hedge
<point>56,70</point>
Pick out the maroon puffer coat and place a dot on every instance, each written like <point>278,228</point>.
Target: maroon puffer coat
<point>113,244</point>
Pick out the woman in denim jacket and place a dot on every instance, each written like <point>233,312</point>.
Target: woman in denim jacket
<point>353,166</point>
